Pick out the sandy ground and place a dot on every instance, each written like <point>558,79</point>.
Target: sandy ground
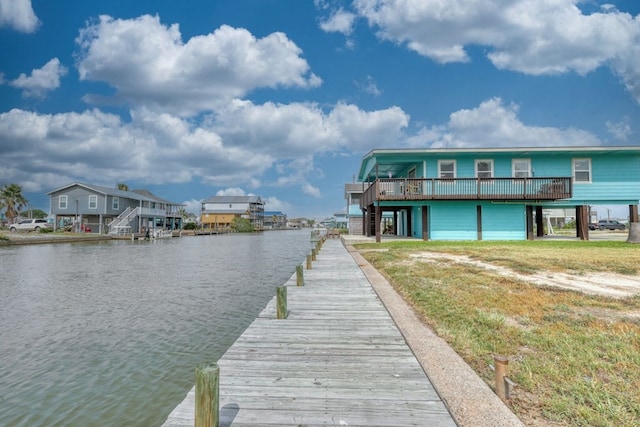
<point>606,284</point>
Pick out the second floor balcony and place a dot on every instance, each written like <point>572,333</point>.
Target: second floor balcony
<point>504,189</point>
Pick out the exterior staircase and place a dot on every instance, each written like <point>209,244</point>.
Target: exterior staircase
<point>122,224</point>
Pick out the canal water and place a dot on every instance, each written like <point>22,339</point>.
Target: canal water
<point>110,333</point>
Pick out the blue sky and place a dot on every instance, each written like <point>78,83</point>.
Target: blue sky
<point>282,98</point>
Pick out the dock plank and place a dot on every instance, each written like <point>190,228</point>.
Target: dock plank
<point>338,359</point>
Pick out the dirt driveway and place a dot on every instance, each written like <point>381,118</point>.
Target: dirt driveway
<point>605,284</point>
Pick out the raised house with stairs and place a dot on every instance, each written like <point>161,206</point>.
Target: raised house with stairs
<point>98,209</point>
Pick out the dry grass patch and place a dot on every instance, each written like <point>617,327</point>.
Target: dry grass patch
<point>575,357</point>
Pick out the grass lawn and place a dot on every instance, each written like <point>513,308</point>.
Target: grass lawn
<point>574,357</point>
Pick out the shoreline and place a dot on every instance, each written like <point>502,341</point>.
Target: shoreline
<point>32,238</point>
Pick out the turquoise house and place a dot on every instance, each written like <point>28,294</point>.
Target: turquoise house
<point>493,193</point>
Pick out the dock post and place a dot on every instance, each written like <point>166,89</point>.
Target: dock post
<point>313,254</point>
<point>299,275</point>
<point>308,262</point>
<point>207,396</point>
<point>281,311</point>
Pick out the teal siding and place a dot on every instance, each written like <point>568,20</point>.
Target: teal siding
<point>458,221</point>
<point>503,222</point>
<point>453,221</point>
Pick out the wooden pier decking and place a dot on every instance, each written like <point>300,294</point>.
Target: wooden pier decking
<point>338,359</point>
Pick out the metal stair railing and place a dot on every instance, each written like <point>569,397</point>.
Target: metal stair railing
<point>120,225</point>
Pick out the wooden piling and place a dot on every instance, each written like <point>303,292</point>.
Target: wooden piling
<point>501,364</point>
<point>299,275</point>
<point>281,293</point>
<point>308,262</point>
<point>313,254</point>
<point>207,404</point>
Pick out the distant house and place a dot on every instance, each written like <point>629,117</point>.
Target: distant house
<point>493,193</point>
<point>274,220</point>
<point>298,223</point>
<point>328,222</point>
<point>218,212</point>
<point>97,209</point>
<point>352,194</point>
<point>341,220</point>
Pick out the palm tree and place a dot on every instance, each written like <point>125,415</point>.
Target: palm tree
<point>122,186</point>
<point>12,200</point>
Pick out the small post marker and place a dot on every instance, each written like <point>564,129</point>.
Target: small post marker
<point>501,364</point>
<point>207,405</point>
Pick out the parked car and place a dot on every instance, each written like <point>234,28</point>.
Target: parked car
<point>29,225</point>
<point>609,224</point>
<point>593,226</point>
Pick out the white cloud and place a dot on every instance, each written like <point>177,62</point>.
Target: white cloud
<point>310,190</point>
<point>41,80</point>
<point>340,21</point>
<point>18,15</point>
<point>238,147</point>
<point>620,130</point>
<point>149,64</point>
<point>274,204</point>
<point>235,191</point>
<point>530,36</point>
<point>193,206</point>
<point>492,124</point>
<point>298,130</point>
<point>369,86</point>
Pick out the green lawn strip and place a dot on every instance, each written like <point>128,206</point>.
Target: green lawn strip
<point>575,357</point>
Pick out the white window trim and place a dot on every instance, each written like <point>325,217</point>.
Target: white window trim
<point>93,198</point>
<point>65,204</point>
<point>455,168</point>
<point>573,170</point>
<point>115,203</point>
<point>513,168</point>
<point>490,161</point>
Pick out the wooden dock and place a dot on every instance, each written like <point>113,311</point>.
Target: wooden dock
<point>338,359</point>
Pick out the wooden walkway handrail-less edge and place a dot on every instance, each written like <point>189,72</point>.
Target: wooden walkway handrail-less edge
<point>336,358</point>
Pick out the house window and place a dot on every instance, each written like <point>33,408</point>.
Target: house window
<point>62,202</point>
<point>93,202</point>
<point>115,203</point>
<point>484,168</point>
<point>446,168</point>
<point>582,170</point>
<point>521,168</point>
